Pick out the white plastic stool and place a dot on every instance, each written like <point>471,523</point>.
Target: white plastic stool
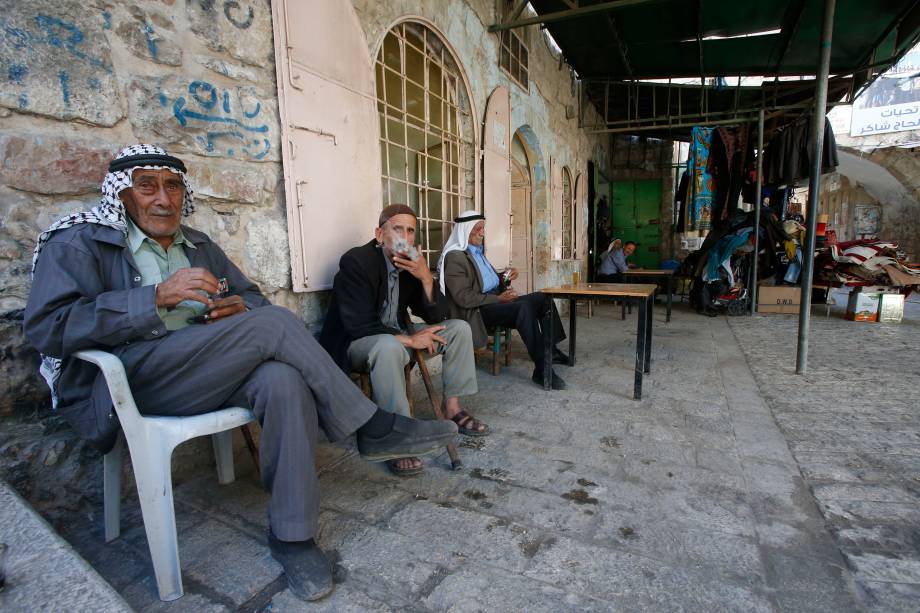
<point>151,441</point>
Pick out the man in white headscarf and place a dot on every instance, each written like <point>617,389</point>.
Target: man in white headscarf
<point>128,278</point>
<point>480,295</point>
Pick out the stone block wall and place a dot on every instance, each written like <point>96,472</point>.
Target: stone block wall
<point>81,80</point>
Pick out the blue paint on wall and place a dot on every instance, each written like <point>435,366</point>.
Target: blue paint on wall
<point>17,72</point>
<point>64,78</point>
<point>23,101</point>
<point>151,42</point>
<point>94,84</point>
<point>106,20</point>
<point>228,120</point>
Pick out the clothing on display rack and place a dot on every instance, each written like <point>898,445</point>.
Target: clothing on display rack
<point>699,214</point>
<point>789,155</point>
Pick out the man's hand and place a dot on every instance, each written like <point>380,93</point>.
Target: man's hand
<point>418,267</point>
<point>187,284</point>
<point>225,307</point>
<point>512,274</point>
<point>509,295</point>
<point>427,339</point>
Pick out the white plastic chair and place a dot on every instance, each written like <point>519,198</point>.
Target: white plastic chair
<point>151,441</point>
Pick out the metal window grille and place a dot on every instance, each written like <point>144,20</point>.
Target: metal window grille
<point>568,240</point>
<point>513,58</point>
<point>426,132</point>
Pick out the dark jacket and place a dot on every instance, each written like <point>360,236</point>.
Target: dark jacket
<point>358,292</point>
<point>463,282</point>
<point>87,294</point>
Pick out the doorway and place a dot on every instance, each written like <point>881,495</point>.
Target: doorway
<point>636,216</point>
<point>521,217</point>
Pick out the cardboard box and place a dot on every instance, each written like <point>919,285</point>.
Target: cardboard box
<point>863,306</point>
<point>778,299</point>
<point>891,308</point>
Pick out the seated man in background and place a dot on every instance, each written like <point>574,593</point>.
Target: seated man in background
<point>614,264</point>
<point>478,294</point>
<point>368,328</point>
<point>127,278</point>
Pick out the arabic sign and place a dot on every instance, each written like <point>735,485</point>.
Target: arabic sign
<point>894,118</point>
<point>892,102</point>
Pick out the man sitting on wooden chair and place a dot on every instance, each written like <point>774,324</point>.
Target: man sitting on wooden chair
<point>127,278</point>
<point>368,328</point>
<point>478,295</point>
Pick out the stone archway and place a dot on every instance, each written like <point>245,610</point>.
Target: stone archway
<point>540,212</point>
<point>887,178</point>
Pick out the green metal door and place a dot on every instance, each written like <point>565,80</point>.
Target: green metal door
<point>636,217</point>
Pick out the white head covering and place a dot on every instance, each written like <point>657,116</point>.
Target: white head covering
<point>459,240</point>
<point>110,212</point>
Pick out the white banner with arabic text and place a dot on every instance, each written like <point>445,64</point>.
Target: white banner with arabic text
<point>883,119</point>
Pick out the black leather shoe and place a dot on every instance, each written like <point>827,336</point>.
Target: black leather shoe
<point>557,384</point>
<point>559,357</point>
<point>308,571</point>
<point>408,438</point>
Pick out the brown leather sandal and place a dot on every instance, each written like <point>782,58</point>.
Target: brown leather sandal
<point>394,467</point>
<point>468,425</point>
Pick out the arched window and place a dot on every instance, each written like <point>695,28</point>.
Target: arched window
<point>568,242</point>
<point>426,131</point>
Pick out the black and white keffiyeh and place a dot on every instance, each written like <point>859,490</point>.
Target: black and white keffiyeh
<point>109,212</point>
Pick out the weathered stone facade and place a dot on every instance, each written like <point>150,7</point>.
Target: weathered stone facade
<point>888,179</point>
<point>80,80</point>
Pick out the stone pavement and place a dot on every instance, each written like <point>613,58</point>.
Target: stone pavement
<point>853,425</point>
<point>42,572</point>
<point>579,500</point>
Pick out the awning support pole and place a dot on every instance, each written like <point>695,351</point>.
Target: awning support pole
<point>754,279</point>
<point>814,187</point>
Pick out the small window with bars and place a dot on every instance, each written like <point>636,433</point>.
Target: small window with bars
<point>513,57</point>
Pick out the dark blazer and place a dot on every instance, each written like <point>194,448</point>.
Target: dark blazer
<point>463,283</point>
<point>358,292</point>
<point>87,294</point>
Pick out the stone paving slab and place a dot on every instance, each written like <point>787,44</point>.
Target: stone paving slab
<point>853,427</point>
<point>43,573</point>
<point>690,500</point>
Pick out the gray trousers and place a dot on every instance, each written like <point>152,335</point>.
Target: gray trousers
<point>385,359</point>
<point>268,361</point>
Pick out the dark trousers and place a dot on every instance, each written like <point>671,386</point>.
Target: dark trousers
<point>525,315</point>
<point>616,277</point>
<point>268,361</point>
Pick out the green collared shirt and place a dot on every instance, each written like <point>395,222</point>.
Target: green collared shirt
<point>157,265</point>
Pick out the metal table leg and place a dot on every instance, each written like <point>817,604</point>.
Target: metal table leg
<point>572,315</point>
<point>670,291</point>
<point>649,318</point>
<point>623,314</point>
<point>640,352</point>
<point>548,342</point>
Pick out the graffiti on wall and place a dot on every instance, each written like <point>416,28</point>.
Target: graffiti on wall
<point>231,120</point>
<point>54,65</point>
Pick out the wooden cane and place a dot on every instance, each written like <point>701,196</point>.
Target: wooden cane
<point>455,462</point>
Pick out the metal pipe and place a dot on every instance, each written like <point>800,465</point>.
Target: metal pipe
<point>577,13</point>
<point>814,187</point>
<point>754,279</point>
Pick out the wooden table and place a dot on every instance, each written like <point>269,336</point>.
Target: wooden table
<point>651,275</point>
<point>641,294</point>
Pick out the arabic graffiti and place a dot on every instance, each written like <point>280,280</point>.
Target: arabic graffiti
<point>235,14</point>
<point>230,119</point>
<point>31,43</point>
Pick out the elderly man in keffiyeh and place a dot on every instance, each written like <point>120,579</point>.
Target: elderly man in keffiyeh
<point>128,278</point>
<point>482,297</point>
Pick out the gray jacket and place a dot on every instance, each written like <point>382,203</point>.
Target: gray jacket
<point>87,294</point>
<point>463,282</point>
